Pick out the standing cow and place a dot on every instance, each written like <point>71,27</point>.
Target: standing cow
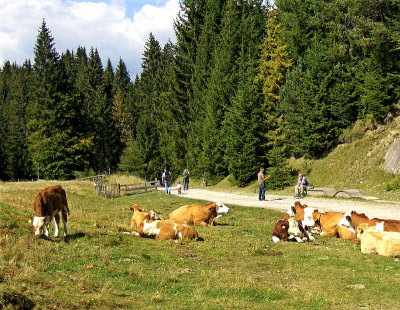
<point>48,203</point>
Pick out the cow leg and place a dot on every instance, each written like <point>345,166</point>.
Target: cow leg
<point>46,226</point>
<point>65,219</point>
<point>56,224</point>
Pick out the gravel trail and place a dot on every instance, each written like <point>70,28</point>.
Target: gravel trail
<point>372,208</point>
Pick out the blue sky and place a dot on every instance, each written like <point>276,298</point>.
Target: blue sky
<point>117,28</point>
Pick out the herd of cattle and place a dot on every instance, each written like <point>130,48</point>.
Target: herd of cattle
<point>381,236</point>
<point>300,222</point>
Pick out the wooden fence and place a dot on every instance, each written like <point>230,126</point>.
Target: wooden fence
<point>117,190</point>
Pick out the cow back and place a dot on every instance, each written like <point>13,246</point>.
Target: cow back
<point>195,213</point>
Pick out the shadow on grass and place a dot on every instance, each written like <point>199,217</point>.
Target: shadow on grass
<point>75,236</point>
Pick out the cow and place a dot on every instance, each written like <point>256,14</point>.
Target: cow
<point>353,219</point>
<point>303,213</point>
<point>290,229</point>
<point>280,231</point>
<point>381,242</point>
<point>148,227</point>
<point>48,203</point>
<point>331,225</point>
<point>199,214</point>
<point>138,217</point>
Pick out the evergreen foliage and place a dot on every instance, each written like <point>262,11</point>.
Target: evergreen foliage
<point>244,86</point>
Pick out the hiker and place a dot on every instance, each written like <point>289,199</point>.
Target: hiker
<point>301,186</point>
<point>261,184</point>
<point>186,179</point>
<point>167,179</point>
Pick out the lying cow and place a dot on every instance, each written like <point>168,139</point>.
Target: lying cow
<point>290,229</point>
<point>280,231</point>
<point>330,224</point>
<point>148,227</point>
<point>303,213</point>
<point>199,214</point>
<point>354,219</point>
<point>383,243</point>
<point>48,203</point>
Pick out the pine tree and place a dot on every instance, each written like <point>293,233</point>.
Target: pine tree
<point>243,130</point>
<point>46,95</point>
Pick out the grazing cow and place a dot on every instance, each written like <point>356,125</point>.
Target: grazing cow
<point>48,203</point>
<point>148,227</point>
<point>331,224</point>
<point>199,214</point>
<point>354,219</point>
<point>383,243</point>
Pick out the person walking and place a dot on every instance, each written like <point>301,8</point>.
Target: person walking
<point>167,180</point>
<point>186,179</point>
<point>261,184</point>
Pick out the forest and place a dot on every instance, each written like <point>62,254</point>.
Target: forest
<point>247,84</point>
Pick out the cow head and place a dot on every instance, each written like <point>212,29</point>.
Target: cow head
<point>363,228</point>
<point>308,217</point>
<point>221,209</point>
<point>40,225</point>
<point>347,221</point>
<point>137,208</point>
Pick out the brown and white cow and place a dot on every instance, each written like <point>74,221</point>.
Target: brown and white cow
<point>383,242</point>
<point>354,219</point>
<point>331,225</point>
<point>290,230</point>
<point>280,231</point>
<point>199,214</point>
<point>148,227</point>
<point>48,203</point>
<point>303,213</point>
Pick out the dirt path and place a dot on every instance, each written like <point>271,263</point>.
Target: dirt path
<point>375,208</point>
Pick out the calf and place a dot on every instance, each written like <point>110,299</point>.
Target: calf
<point>149,227</point>
<point>48,203</point>
<point>383,243</point>
<point>290,229</point>
<point>280,231</point>
<point>199,214</point>
<point>303,213</point>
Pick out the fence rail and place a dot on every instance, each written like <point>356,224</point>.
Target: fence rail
<point>117,190</point>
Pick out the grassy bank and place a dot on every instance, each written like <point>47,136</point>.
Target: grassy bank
<point>235,267</point>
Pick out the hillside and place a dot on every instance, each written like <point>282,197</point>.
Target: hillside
<point>357,162</point>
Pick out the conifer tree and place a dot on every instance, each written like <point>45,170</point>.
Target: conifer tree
<point>274,63</point>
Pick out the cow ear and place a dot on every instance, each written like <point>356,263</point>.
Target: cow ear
<point>214,207</point>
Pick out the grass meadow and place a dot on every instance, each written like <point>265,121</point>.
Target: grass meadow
<point>235,267</point>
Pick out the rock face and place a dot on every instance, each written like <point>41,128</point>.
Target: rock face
<point>392,158</point>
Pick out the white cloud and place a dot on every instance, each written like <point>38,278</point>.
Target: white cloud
<point>102,25</point>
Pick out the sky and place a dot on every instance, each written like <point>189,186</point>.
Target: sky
<point>117,28</point>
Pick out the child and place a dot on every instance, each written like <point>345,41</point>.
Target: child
<point>179,188</point>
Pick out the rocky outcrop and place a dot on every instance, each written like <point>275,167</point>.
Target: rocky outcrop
<point>392,158</point>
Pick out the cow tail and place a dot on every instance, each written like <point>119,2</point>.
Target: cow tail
<point>65,204</point>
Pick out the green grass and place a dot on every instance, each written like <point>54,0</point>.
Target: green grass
<point>235,267</point>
